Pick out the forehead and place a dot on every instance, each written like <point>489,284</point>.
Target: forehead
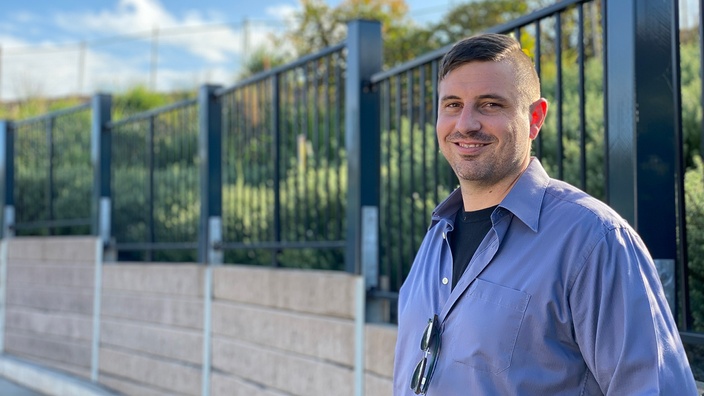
<point>479,78</point>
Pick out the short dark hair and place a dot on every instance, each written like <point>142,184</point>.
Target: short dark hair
<point>492,47</point>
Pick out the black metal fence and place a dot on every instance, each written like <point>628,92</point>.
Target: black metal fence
<point>52,174</point>
<point>284,165</point>
<point>330,162</point>
<point>154,184</point>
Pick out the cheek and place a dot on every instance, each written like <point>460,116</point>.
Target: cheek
<point>442,129</point>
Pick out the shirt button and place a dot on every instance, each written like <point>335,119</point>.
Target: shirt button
<point>445,281</point>
<point>444,235</point>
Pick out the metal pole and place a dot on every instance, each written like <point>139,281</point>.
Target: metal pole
<point>101,146</point>
<point>210,155</point>
<point>154,58</point>
<point>363,140</point>
<point>642,124</point>
<point>207,330</point>
<point>7,177</point>
<point>81,66</point>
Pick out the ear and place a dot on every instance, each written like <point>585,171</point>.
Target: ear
<point>538,111</point>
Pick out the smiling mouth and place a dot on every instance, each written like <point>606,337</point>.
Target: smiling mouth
<point>473,145</point>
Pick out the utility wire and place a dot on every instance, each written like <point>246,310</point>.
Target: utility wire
<point>140,35</point>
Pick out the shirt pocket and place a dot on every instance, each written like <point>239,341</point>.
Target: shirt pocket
<point>484,325</point>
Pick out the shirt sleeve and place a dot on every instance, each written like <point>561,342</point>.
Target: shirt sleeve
<point>622,323</point>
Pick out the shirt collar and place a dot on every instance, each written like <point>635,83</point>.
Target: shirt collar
<point>524,200</point>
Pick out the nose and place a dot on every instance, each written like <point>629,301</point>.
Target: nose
<point>468,121</point>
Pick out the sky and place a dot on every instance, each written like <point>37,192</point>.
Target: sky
<point>64,47</point>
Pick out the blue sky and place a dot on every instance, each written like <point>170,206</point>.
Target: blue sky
<point>198,41</point>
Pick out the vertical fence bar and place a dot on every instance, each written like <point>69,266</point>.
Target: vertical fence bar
<point>538,69</point>
<point>276,149</point>
<point>681,282</point>
<point>210,154</point>
<point>151,162</point>
<point>582,100</point>
<point>642,127</point>
<point>558,97</point>
<point>50,174</point>
<point>101,146</point>
<point>363,131</point>
<point>701,71</point>
<point>7,177</point>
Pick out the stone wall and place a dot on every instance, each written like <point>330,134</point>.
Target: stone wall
<point>260,331</point>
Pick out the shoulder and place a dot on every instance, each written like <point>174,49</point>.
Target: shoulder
<point>566,202</point>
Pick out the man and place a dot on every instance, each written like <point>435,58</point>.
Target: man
<point>525,285</point>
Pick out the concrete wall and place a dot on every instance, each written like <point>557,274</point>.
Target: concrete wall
<point>269,331</point>
<point>151,329</point>
<point>49,298</point>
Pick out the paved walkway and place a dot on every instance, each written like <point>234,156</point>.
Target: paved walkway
<point>17,374</point>
<point>9,388</point>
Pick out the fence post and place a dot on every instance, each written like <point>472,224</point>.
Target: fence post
<point>643,125</point>
<point>7,177</point>
<point>362,135</point>
<point>101,150</point>
<point>210,155</point>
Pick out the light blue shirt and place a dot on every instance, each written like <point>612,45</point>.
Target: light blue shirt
<point>561,298</point>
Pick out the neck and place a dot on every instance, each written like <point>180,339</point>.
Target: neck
<point>477,196</point>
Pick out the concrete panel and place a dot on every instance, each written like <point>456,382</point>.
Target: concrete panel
<point>53,249</point>
<point>288,372</point>
<point>317,336</point>
<point>222,385</point>
<point>57,275</point>
<point>174,279</point>
<point>51,298</point>
<point>168,376</point>
<point>186,346</point>
<point>77,327</point>
<point>173,311</point>
<point>378,386</point>
<point>42,347</point>
<point>320,292</point>
<point>379,349</point>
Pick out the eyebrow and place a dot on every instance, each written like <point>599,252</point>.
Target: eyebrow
<point>480,97</point>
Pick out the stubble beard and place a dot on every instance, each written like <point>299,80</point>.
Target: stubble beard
<point>483,173</point>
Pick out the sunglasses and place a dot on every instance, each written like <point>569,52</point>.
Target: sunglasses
<point>430,345</point>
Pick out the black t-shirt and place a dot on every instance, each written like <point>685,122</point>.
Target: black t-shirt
<point>469,231</point>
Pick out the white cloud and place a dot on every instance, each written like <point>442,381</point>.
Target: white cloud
<point>195,47</point>
<point>283,12</point>
<point>128,17</point>
<point>214,44</point>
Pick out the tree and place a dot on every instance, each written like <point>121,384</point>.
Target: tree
<point>318,26</point>
<point>261,60</point>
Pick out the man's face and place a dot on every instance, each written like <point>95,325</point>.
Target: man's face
<point>484,124</point>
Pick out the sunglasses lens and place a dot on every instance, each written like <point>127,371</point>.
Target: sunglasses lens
<point>427,334</point>
<point>418,377</point>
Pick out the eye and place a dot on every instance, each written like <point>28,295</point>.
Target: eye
<point>490,107</point>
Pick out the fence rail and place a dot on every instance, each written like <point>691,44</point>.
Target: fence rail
<point>331,162</point>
